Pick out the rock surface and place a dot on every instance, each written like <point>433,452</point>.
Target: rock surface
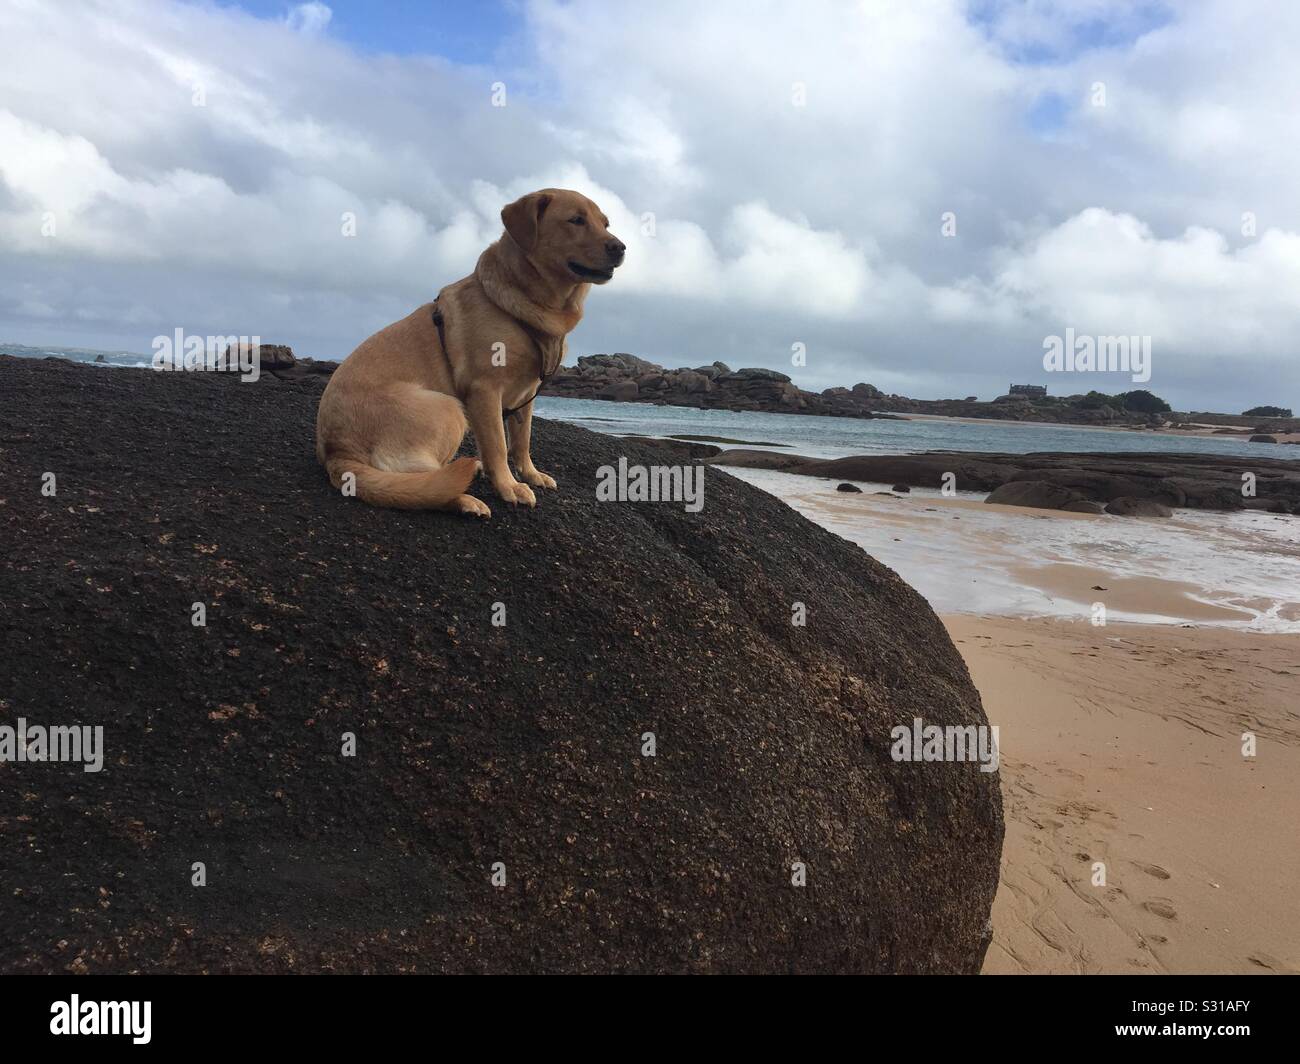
<point>476,744</point>
<point>277,362</point>
<point>1036,493</point>
<point>1128,507</point>
<point>1196,481</point>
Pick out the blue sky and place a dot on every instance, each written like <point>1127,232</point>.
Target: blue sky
<point>1033,33</point>
<point>469,31</point>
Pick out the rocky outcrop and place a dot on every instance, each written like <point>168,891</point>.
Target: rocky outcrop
<point>718,387</point>
<point>277,362</point>
<point>625,378</point>
<point>588,737</point>
<point>1129,507</point>
<point>1263,437</point>
<point>1036,493</point>
<point>1197,481</point>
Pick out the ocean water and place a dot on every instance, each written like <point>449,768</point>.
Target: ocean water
<point>111,359</point>
<point>837,437</point>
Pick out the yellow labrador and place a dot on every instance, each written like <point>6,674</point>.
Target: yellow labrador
<point>395,412</point>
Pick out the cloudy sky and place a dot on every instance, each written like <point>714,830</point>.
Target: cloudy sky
<point>781,172</point>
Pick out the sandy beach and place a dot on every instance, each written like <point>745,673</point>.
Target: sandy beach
<point>1121,744</point>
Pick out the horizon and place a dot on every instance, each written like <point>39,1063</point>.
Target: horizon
<point>52,349</point>
<point>1082,166</point>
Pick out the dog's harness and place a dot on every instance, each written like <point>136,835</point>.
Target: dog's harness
<point>544,374</point>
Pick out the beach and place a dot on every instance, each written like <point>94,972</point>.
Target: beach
<point>1121,743</point>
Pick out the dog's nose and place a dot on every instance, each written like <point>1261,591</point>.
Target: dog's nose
<point>615,249</point>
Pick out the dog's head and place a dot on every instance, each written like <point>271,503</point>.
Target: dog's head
<point>564,235</point>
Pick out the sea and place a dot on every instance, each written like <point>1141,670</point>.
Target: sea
<point>839,437</point>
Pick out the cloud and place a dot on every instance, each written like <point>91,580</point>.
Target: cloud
<point>779,172</point>
<point>309,19</point>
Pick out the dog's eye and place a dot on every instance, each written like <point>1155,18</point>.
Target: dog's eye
<point>577,219</point>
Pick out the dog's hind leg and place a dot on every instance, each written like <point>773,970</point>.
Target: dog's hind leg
<point>411,463</point>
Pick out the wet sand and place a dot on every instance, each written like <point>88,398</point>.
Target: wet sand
<point>967,556</point>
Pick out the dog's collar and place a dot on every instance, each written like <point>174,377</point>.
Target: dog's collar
<point>539,339</point>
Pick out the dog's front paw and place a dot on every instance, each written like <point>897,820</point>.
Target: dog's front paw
<point>467,504</point>
<point>534,476</point>
<point>512,491</point>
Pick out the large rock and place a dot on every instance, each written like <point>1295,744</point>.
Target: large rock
<point>620,391</point>
<point>1127,507</point>
<point>269,356</point>
<point>1033,493</point>
<point>620,363</point>
<point>691,381</point>
<point>1104,486</point>
<point>517,748</point>
<point>759,374</point>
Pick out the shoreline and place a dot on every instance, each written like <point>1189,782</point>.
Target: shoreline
<point>965,556</point>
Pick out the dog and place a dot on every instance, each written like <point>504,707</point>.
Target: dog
<point>395,412</point>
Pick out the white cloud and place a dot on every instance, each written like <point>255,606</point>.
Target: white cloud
<point>198,163</point>
<point>310,18</point>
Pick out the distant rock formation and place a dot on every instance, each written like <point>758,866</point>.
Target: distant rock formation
<point>625,378</point>
<point>277,362</point>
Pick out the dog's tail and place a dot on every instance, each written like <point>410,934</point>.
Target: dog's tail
<point>427,490</point>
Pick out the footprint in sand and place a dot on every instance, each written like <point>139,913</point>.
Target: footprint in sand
<point>1161,907</point>
<point>1151,869</point>
<point>1269,963</point>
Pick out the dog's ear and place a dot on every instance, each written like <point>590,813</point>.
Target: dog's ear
<point>523,218</point>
